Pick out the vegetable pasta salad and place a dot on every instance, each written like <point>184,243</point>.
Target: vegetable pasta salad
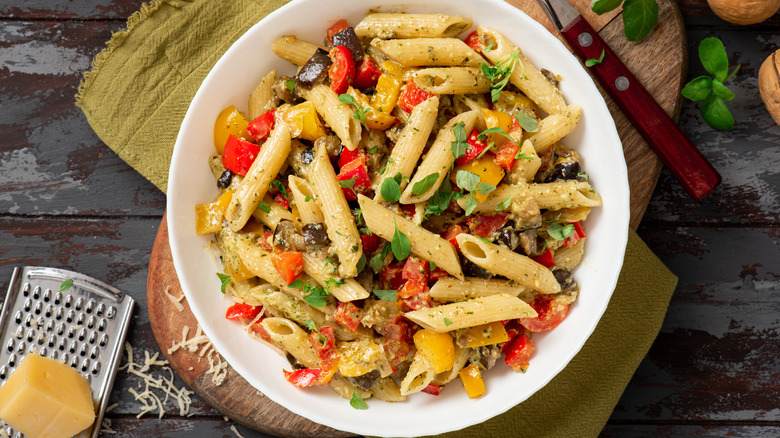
<point>400,213</point>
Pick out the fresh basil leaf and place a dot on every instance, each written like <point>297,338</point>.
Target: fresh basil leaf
<point>65,285</point>
<point>528,123</point>
<point>721,91</point>
<point>713,57</point>
<point>503,205</point>
<point>361,264</point>
<point>280,186</point>
<point>560,232</point>
<point>471,204</point>
<point>263,206</point>
<point>296,284</point>
<point>224,279</point>
<point>317,297</point>
<point>357,401</point>
<point>698,89</point>
<point>639,18</point>
<point>347,183</point>
<point>467,180</point>
<point>715,113</point>
<point>385,294</point>
<point>346,98</point>
<point>604,6</point>
<point>485,188</point>
<point>424,184</point>
<point>400,244</point>
<point>494,130</point>
<point>595,61</point>
<point>311,325</point>
<point>459,145</point>
<point>378,261</point>
<point>390,190</point>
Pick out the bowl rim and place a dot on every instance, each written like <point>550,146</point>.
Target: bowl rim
<point>189,290</point>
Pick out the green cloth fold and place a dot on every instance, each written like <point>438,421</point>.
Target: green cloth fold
<point>135,98</point>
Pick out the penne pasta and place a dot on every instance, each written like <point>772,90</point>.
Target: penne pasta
<point>343,289</point>
<point>336,114</point>
<point>452,80</point>
<point>525,166</point>
<point>291,338</point>
<point>294,50</point>
<point>451,289</point>
<point>303,197</point>
<point>418,377</point>
<point>554,127</point>
<point>262,98</point>
<point>472,312</point>
<point>391,25</point>
<point>429,51</point>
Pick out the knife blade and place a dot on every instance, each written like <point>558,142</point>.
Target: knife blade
<point>686,163</point>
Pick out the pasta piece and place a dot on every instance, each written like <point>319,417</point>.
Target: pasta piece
<point>525,75</point>
<point>291,307</point>
<point>429,51</point>
<point>451,289</point>
<point>554,127</point>
<point>275,214</point>
<point>407,150</point>
<point>262,98</point>
<point>419,376</point>
<point>294,50</point>
<point>423,243</point>
<point>439,158</point>
<point>461,358</point>
<point>340,225</point>
<point>345,389</point>
<point>264,169</point>
<point>452,80</point>
<point>291,338</point>
<point>336,114</point>
<point>564,194</point>
<point>526,166</point>
<point>472,312</point>
<point>303,197</point>
<point>343,289</point>
<point>500,260</point>
<point>391,25</point>
<point>516,194</point>
<point>386,389</point>
<point>570,257</point>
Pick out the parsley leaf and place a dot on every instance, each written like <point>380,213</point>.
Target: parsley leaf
<point>560,232</point>
<point>263,206</point>
<point>494,130</point>
<point>290,84</point>
<point>471,204</point>
<point>360,112</point>
<point>595,61</point>
<point>347,183</point>
<point>440,200</point>
<point>400,244</point>
<point>459,145</point>
<point>467,180</point>
<point>503,205</point>
<point>385,294</point>
<point>378,261</point>
<point>528,123</point>
<point>224,279</point>
<point>424,184</point>
<point>316,295</point>
<point>485,188</point>
<point>65,285</point>
<point>391,189</point>
<point>296,284</point>
<point>500,73</point>
<point>357,401</point>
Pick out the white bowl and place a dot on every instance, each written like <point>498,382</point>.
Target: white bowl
<point>190,182</point>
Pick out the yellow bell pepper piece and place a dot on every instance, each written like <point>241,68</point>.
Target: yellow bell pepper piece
<point>230,121</point>
<point>488,171</point>
<point>303,120</point>
<point>386,94</point>
<point>486,334</point>
<point>498,119</point>
<point>437,348</point>
<point>209,216</point>
<point>374,119</point>
<point>358,357</point>
<point>472,381</point>
<point>242,274</point>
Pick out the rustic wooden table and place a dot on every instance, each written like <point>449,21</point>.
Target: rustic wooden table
<point>68,201</point>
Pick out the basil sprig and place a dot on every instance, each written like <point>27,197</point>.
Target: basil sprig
<point>710,91</point>
<point>639,16</point>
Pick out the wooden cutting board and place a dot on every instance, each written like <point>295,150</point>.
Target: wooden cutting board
<point>659,62</point>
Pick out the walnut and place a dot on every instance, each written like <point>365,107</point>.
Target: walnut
<point>744,11</point>
<point>769,84</point>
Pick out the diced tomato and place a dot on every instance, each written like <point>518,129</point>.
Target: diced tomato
<point>576,235</point>
<point>412,96</point>
<point>262,125</point>
<point>411,289</point>
<point>505,156</point>
<point>420,301</point>
<point>367,73</point>
<point>260,331</point>
<point>342,71</point>
<point>474,147</point>
<point>265,241</point>
<point>243,310</point>
<point>452,232</point>
<point>474,42</point>
<point>513,328</point>
<point>484,225</point>
<point>551,312</point>
<point>394,330</point>
<point>437,274</point>
<point>348,315</point>
<point>282,201</point>
<point>355,170</point>
<point>370,243</point>
<point>323,340</point>
<point>306,377</point>
<point>391,276</point>
<point>518,351</point>
<point>431,389</point>
<point>347,156</point>
<point>239,155</point>
<point>336,28</point>
<point>545,259</point>
<point>409,210</point>
<point>415,269</point>
<point>289,264</point>
<point>396,351</point>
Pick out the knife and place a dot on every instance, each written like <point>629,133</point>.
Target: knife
<point>676,151</point>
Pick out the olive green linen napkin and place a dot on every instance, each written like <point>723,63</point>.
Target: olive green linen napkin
<point>135,98</point>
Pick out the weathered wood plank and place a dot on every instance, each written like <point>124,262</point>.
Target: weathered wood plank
<point>83,9</point>
<point>178,427</point>
<point>51,161</point>
<point>716,357</point>
<point>687,431</point>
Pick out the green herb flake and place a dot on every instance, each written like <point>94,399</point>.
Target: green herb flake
<point>296,284</point>
<point>357,401</point>
<point>471,204</point>
<point>447,321</point>
<point>347,183</point>
<point>280,186</point>
<point>595,61</point>
<point>528,123</point>
<point>560,232</point>
<point>385,294</point>
<point>263,206</point>
<point>290,84</point>
<point>503,205</point>
<point>224,279</point>
<point>65,285</point>
<point>459,145</point>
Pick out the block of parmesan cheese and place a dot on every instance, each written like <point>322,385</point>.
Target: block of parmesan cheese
<point>46,398</point>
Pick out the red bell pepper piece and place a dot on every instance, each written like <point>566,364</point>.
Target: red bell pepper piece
<point>282,201</point>
<point>243,310</point>
<point>484,225</point>
<point>265,241</point>
<point>289,264</point>
<point>395,329</point>
<point>518,351</point>
<point>348,315</point>
<point>336,28</point>
<point>416,270</point>
<point>395,350</point>
<point>391,276</point>
<point>357,171</point>
<point>306,377</point>
<point>347,156</point>
<point>409,210</point>
<point>239,155</point>
<point>262,125</point>
<point>551,312</point>
<point>323,341</point>
<point>452,232</point>
<point>260,331</point>
<point>545,259</point>
<point>342,71</point>
<point>411,289</point>
<point>370,243</point>
<point>431,389</point>
<point>505,156</point>
<point>474,147</point>
<point>436,274</point>
<point>576,235</point>
<point>367,73</point>
<point>420,301</point>
<point>474,42</point>
<point>412,96</point>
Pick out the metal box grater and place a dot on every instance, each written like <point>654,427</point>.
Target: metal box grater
<point>84,326</point>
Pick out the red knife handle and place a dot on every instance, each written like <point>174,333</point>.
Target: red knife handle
<point>675,150</point>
